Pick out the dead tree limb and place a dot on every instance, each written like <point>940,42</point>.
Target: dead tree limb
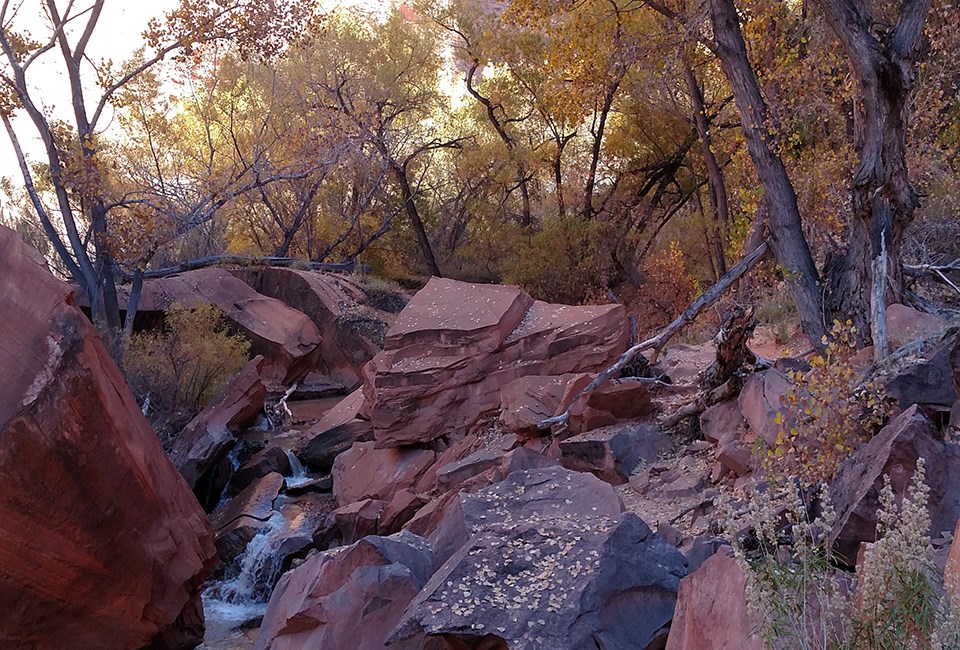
<point>724,377</point>
<point>240,260</point>
<point>939,271</point>
<point>660,340</point>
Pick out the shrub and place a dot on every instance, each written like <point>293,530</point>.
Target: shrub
<point>802,601</point>
<point>828,413</point>
<point>183,367</point>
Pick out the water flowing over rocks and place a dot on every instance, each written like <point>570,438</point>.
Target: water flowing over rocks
<point>102,543</point>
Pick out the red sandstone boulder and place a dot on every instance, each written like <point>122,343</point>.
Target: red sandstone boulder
<point>271,458</point>
<point>364,472</point>
<point>712,612</point>
<point>527,401</point>
<point>613,452</point>
<point>905,324</point>
<point>761,400</point>
<point>613,401</point>
<point>928,380</point>
<point>336,432</point>
<point>348,597</point>
<point>245,515</point>
<point>336,306</point>
<point>207,439</point>
<point>722,422</point>
<point>855,492</point>
<point>455,344</point>
<point>102,544</point>
<point>286,338</point>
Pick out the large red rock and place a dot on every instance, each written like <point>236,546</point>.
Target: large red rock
<point>334,433</point>
<point>611,402</point>
<point>527,401</point>
<point>350,597</point>
<point>905,324</point>
<point>286,338</point>
<point>455,344</point>
<point>364,472</point>
<point>612,453</point>
<point>712,611</point>
<point>761,400</point>
<point>334,304</point>
<point>208,437</point>
<point>894,452</point>
<point>102,543</point>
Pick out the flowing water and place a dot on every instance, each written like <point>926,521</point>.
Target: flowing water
<point>237,599</point>
<point>298,474</point>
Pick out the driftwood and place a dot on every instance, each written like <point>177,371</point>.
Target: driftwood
<point>939,271</point>
<point>724,377</point>
<point>240,260</point>
<point>660,340</point>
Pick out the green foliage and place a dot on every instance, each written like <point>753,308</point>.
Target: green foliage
<point>183,367</point>
<point>561,263</point>
<point>828,413</point>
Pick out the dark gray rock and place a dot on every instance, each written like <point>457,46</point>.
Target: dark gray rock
<point>552,582</point>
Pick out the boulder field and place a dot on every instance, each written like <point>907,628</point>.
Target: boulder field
<point>426,509</point>
<point>102,543</point>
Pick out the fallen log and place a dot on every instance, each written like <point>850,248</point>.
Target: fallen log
<point>241,260</point>
<point>658,342</point>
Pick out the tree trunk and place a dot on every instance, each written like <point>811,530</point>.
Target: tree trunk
<point>883,198</point>
<point>406,193</point>
<point>597,148</point>
<point>716,184</point>
<point>786,233</point>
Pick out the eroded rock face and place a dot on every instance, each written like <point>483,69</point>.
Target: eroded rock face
<point>102,544</point>
<point>712,609</point>
<point>855,492</point>
<point>761,400</point>
<point>612,453</point>
<point>350,597</point>
<point>286,338</point>
<point>364,472</point>
<point>334,433</point>
<point>455,344</point>
<point>332,302</point>
<point>207,439</point>
<point>547,561</point>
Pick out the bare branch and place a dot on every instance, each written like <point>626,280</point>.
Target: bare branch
<point>660,340</point>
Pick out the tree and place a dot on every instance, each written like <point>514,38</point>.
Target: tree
<point>883,60</point>
<point>73,167</point>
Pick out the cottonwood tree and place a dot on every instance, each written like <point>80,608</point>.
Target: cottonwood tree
<point>377,85</point>
<point>72,169</point>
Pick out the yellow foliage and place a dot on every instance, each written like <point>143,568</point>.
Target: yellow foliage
<point>183,367</point>
<point>828,413</point>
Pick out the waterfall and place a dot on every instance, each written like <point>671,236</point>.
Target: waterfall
<point>242,597</point>
<point>298,474</point>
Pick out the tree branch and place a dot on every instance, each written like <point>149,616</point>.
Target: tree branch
<point>657,342</point>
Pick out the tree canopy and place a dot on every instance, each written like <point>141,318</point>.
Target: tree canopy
<point>586,149</point>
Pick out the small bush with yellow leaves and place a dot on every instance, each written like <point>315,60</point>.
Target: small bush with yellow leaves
<point>830,411</point>
<point>183,367</point>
